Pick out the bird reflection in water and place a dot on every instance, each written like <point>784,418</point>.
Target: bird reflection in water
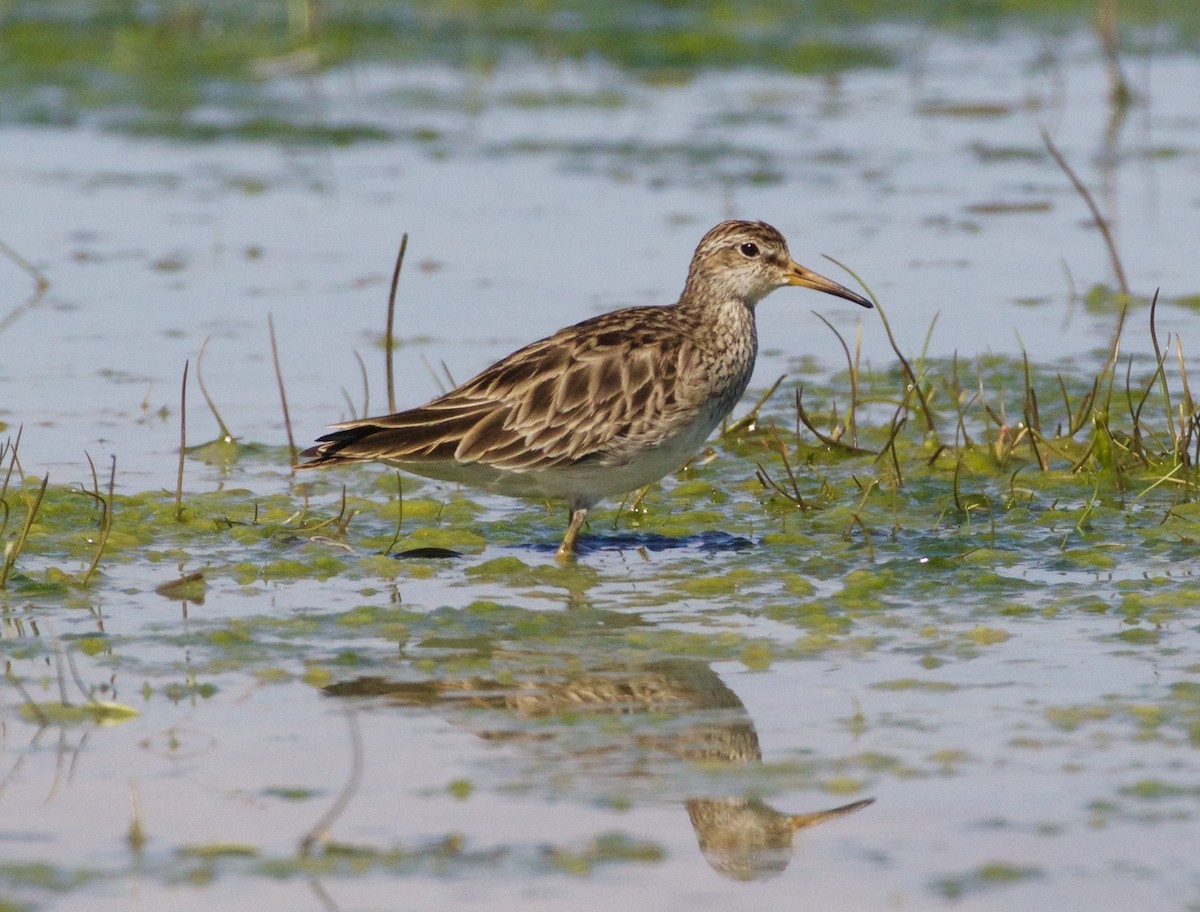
<point>741,838</point>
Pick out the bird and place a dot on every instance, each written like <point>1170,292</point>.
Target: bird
<point>603,407</point>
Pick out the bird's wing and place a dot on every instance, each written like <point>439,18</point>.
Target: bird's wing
<point>575,396</point>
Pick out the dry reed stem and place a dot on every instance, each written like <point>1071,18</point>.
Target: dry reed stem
<point>38,276</point>
<point>391,321</point>
<point>287,419</point>
<point>366,385</point>
<point>1114,257</point>
<point>1101,221</point>
<point>182,444</point>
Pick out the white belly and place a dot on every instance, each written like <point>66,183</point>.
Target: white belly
<point>586,482</point>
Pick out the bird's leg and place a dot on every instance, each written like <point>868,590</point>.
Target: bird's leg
<point>566,551</point>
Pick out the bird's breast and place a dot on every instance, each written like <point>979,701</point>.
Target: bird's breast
<point>725,355</point>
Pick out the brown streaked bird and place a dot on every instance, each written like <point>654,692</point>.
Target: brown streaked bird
<point>603,407</point>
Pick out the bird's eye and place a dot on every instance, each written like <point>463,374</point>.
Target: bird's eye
<point>749,250</point>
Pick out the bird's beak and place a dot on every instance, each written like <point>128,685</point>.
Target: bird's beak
<point>798,275</point>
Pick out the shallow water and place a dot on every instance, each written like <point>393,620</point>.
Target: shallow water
<point>554,211</point>
<point>1020,698</point>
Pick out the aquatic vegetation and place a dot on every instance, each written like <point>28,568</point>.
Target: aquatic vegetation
<point>975,462</point>
<point>176,59</point>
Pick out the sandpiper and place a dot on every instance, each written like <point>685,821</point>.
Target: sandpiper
<point>603,407</point>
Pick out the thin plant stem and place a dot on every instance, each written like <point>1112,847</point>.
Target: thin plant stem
<point>850,426</point>
<point>747,421</point>
<point>362,369</point>
<point>38,276</point>
<point>12,460</point>
<point>12,678</point>
<point>1101,221</point>
<point>136,836</point>
<point>320,830</point>
<point>1119,92</point>
<point>388,342</point>
<point>182,444</point>
<point>400,514</point>
<point>106,523</point>
<point>1114,257</point>
<point>287,420</point>
<point>13,550</point>
<point>827,440</point>
<point>930,428</point>
<point>226,437</point>
<point>1160,372</point>
<point>437,378</point>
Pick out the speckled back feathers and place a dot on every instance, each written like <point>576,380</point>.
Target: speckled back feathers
<point>601,390</point>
